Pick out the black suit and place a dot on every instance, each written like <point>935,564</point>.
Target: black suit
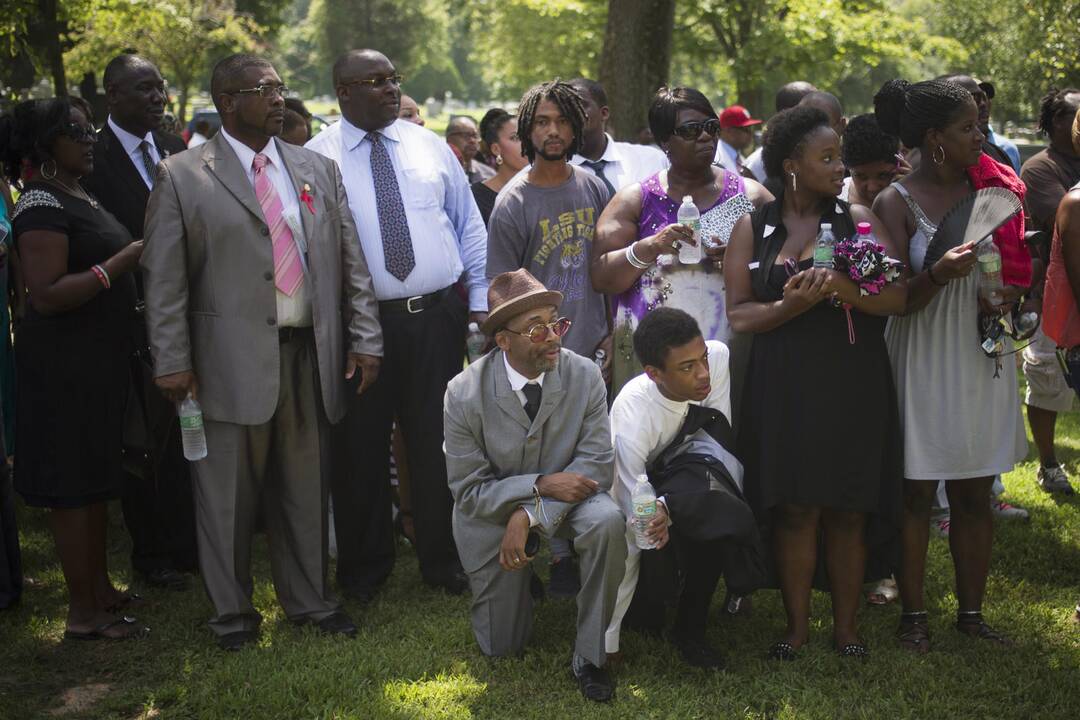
<point>158,502</point>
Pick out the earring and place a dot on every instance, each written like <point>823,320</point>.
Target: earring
<point>498,160</point>
<point>48,174</point>
<point>933,156</point>
<point>794,182</point>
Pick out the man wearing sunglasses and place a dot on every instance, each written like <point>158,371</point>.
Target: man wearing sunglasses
<point>157,500</point>
<point>528,450</point>
<point>259,305</point>
<point>421,231</point>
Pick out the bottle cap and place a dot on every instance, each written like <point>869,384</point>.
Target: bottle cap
<point>826,226</point>
<point>473,327</point>
<point>688,199</point>
<point>864,228</point>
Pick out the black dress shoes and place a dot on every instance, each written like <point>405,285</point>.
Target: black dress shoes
<point>452,583</point>
<point>235,641</point>
<point>595,683</point>
<point>696,652</point>
<point>338,624</point>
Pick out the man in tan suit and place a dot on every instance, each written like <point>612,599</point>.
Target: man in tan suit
<point>253,275</point>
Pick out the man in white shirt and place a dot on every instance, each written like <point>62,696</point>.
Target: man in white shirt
<point>421,231</point>
<point>672,423</point>
<point>617,164</point>
<point>735,136</point>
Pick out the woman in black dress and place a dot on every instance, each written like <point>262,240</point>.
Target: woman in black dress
<point>498,130</point>
<point>71,350</point>
<point>820,437</point>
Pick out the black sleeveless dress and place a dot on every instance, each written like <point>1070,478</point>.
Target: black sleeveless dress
<point>820,425</point>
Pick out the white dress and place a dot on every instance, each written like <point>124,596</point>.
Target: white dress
<point>959,420</point>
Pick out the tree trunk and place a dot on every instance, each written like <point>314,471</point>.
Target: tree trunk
<point>49,28</point>
<point>636,60</point>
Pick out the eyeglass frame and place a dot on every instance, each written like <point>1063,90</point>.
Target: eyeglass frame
<point>374,83</point>
<point>85,134</point>
<point>700,125</point>
<point>548,328</point>
<point>280,90</point>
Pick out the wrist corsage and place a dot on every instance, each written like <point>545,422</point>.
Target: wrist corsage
<point>867,264</point>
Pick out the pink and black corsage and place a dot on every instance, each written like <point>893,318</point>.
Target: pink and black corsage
<point>867,264</point>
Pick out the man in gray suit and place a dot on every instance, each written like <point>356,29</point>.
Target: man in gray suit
<point>253,275</point>
<point>528,445</point>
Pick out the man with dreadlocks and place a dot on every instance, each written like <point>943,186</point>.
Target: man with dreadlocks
<point>544,219</point>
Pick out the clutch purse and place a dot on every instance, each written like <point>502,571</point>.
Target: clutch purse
<point>717,223</point>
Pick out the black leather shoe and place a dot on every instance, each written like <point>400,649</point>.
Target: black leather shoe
<point>565,581</point>
<point>235,641</point>
<point>362,594</point>
<point>696,652</point>
<point>337,624</point>
<point>453,583</point>
<point>737,605</point>
<point>595,683</point>
<point>166,578</point>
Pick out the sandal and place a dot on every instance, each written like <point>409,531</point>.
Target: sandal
<point>883,593</point>
<point>101,632</point>
<point>855,650</point>
<point>782,651</point>
<point>127,601</point>
<point>914,632</point>
<point>973,625</point>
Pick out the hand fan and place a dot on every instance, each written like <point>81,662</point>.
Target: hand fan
<point>974,218</point>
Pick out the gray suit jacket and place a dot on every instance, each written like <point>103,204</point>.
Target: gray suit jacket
<point>494,455</point>
<point>208,271</point>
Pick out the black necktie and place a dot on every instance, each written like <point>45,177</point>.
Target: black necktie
<point>533,392</point>
<point>148,162</point>
<point>598,168</point>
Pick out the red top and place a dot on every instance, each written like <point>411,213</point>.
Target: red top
<point>1061,319</point>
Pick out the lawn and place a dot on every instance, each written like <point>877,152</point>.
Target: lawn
<point>416,657</point>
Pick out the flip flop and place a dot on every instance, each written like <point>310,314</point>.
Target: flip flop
<point>129,600</point>
<point>101,631</point>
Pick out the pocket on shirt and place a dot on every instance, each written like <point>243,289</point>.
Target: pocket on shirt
<point>423,188</point>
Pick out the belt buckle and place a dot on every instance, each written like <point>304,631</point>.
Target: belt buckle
<point>409,305</point>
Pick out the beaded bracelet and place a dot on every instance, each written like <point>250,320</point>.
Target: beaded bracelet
<point>103,276</point>
<point>634,259</point>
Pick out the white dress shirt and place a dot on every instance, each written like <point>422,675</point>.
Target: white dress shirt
<point>627,163</point>
<point>517,382</point>
<point>196,140</point>
<point>756,165</point>
<point>727,157</point>
<point>292,311</point>
<point>447,231</point>
<point>131,145</point>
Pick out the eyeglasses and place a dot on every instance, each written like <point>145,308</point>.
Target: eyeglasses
<point>538,333</point>
<point>265,91</point>
<point>395,79</point>
<point>469,134</point>
<point>80,133</point>
<point>692,130</point>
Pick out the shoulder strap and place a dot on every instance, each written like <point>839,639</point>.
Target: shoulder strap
<point>766,250</point>
<point>698,417</point>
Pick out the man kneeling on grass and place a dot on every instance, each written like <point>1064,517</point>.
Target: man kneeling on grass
<point>528,445</point>
<point>671,424</point>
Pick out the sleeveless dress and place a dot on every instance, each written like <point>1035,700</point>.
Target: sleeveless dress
<point>696,289</point>
<point>819,419</point>
<point>959,420</point>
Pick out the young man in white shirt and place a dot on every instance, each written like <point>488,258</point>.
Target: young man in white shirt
<point>672,423</point>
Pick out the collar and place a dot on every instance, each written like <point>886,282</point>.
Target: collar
<point>130,142</point>
<point>731,152</point>
<point>517,380</point>
<point>352,136</point>
<point>611,155</point>
<point>247,156</point>
<point>774,217</point>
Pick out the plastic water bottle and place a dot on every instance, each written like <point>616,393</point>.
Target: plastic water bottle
<point>688,215</point>
<point>600,357</point>
<point>643,500</point>
<point>865,233</point>
<point>191,429</point>
<point>991,287</point>
<point>825,247</point>
<point>475,342</point>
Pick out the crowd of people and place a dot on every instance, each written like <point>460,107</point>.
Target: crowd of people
<point>798,424</point>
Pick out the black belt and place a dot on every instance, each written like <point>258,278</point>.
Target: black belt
<point>286,334</point>
<point>415,304</point>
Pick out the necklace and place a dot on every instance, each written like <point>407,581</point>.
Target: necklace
<point>75,191</point>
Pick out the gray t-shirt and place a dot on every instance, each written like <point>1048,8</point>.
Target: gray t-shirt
<point>549,232</point>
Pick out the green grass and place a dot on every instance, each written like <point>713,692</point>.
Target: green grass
<point>416,657</point>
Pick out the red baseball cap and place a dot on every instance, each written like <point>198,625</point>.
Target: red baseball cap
<point>737,116</point>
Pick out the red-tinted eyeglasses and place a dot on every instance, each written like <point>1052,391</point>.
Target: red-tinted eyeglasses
<point>538,333</point>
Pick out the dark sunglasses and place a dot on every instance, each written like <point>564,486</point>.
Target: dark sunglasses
<point>692,130</point>
<point>79,133</point>
<point>538,333</point>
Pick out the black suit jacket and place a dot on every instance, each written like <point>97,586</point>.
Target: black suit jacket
<point>117,184</point>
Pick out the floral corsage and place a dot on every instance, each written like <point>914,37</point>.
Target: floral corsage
<point>866,263</point>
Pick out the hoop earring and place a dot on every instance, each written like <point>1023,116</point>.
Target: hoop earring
<point>45,173</point>
<point>794,182</point>
<point>933,156</point>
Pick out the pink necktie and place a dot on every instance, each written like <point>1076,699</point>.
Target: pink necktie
<point>288,272</point>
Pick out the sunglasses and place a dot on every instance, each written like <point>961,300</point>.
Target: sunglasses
<point>692,130</point>
<point>395,79</point>
<point>79,133</point>
<point>538,333</point>
<point>264,91</point>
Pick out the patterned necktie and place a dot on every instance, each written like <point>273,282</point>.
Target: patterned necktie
<point>533,393</point>
<point>147,161</point>
<point>288,272</point>
<point>598,168</point>
<point>393,225</point>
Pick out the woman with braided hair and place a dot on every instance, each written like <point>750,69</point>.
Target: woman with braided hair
<point>960,416</point>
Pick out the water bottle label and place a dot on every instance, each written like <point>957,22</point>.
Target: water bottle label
<point>823,256</point>
<point>990,263</point>
<point>191,422</point>
<point>645,508</point>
